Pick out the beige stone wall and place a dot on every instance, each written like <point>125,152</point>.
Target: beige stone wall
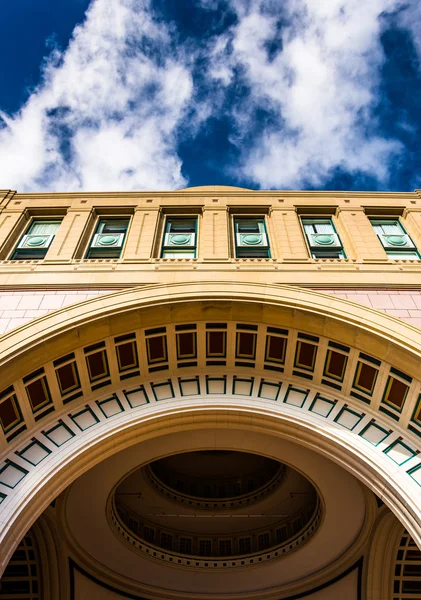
<point>19,307</point>
<point>32,288</point>
<point>403,304</point>
<point>215,208</point>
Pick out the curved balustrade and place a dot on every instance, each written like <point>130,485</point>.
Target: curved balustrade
<point>201,500</point>
<point>258,546</point>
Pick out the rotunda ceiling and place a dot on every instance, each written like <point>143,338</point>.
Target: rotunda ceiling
<point>216,503</point>
<point>215,474</point>
<point>189,549</point>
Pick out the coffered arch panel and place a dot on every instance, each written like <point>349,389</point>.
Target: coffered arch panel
<point>86,381</point>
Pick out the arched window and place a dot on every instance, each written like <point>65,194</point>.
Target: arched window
<point>407,577</point>
<point>21,577</point>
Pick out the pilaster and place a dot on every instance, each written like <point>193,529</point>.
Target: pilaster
<point>412,224</point>
<point>361,238</point>
<point>69,234</point>
<point>214,233</point>
<point>141,234</point>
<point>9,232</point>
<point>286,235</point>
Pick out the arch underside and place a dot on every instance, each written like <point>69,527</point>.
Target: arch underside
<point>91,380</point>
<point>317,561</point>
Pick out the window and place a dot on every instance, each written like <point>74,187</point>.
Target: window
<point>244,545</point>
<point>148,534</point>
<point>394,239</point>
<point>407,580</point>
<point>297,525</point>
<point>133,525</point>
<point>205,547</point>
<point>108,239</point>
<point>21,579</point>
<point>264,541</point>
<point>166,541</point>
<point>322,238</point>
<point>225,548</point>
<point>251,240</point>
<point>37,239</point>
<point>185,545</point>
<point>281,535</point>
<point>180,238</point>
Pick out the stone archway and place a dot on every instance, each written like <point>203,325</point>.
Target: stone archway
<point>280,372</point>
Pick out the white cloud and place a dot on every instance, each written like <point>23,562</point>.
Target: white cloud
<point>219,68</point>
<point>321,89</point>
<point>209,4</point>
<point>106,114</point>
<point>109,111</point>
<point>410,18</point>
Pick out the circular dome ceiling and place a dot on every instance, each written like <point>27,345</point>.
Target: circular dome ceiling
<point>215,478</point>
<point>160,546</point>
<point>213,505</point>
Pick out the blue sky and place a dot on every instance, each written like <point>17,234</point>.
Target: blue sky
<point>164,94</point>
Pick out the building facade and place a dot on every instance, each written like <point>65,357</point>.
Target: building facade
<point>210,393</point>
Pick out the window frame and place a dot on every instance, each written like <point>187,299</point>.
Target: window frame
<point>253,251</point>
<point>399,253</point>
<point>179,252</point>
<point>40,253</point>
<point>92,253</point>
<point>322,254</point>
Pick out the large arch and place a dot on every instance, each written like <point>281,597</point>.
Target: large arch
<point>52,442</point>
